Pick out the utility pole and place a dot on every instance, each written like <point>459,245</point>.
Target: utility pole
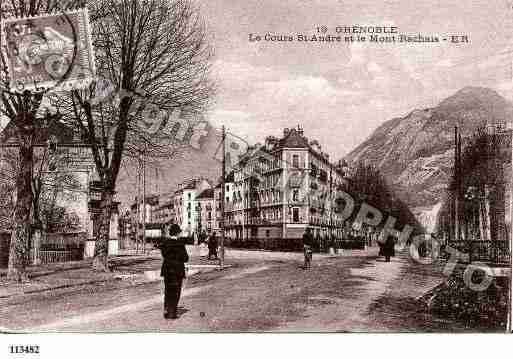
<point>223,195</point>
<point>510,294</point>
<point>331,208</point>
<point>138,200</point>
<point>144,201</point>
<point>243,205</point>
<point>457,182</point>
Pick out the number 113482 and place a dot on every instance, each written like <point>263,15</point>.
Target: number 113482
<point>23,349</point>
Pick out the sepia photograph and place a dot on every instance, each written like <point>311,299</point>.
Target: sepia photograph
<point>259,166</point>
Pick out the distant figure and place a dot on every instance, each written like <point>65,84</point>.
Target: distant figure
<point>307,248</point>
<point>174,256</point>
<point>387,249</point>
<point>212,246</point>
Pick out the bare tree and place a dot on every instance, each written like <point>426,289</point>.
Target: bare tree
<point>22,111</point>
<point>155,56</point>
<point>52,183</point>
<point>481,205</point>
<point>367,185</point>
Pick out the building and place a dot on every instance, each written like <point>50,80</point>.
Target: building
<point>72,182</point>
<point>186,214</point>
<point>158,210</point>
<point>165,211</point>
<point>206,212</point>
<point>180,207</point>
<point>283,187</point>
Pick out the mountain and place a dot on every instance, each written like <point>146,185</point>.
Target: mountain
<point>415,153</point>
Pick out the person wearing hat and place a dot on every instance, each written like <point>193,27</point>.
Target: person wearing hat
<point>174,256</point>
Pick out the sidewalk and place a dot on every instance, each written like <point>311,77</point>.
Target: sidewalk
<point>71,274</point>
<point>137,268</point>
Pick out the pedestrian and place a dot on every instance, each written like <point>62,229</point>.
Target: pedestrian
<point>212,246</point>
<point>174,256</point>
<point>387,249</point>
<point>307,248</point>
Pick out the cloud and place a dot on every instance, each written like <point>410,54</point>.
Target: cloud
<point>445,63</point>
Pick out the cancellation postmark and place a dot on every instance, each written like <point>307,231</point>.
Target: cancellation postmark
<point>50,52</point>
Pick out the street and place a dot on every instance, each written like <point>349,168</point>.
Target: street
<point>345,293</point>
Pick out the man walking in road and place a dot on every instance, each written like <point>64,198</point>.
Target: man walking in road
<point>174,256</point>
<point>212,246</point>
<point>307,248</point>
<point>386,248</point>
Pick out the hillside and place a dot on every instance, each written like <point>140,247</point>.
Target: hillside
<point>415,153</point>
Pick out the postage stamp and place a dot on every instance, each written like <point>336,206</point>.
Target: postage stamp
<point>50,52</point>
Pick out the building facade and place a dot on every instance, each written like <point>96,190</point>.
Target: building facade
<point>206,212</point>
<point>185,204</point>
<point>283,187</point>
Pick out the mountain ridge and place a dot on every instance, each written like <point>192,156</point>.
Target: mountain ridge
<point>415,153</point>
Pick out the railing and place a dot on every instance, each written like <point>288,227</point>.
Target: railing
<point>61,247</point>
<point>272,244</point>
<point>497,252</point>
<point>73,254</point>
<point>320,245</point>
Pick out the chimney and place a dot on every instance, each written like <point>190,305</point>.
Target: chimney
<point>300,130</point>
<point>286,132</point>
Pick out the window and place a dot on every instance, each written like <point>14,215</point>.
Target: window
<point>267,233</point>
<point>228,187</point>
<point>189,196</point>
<point>313,170</point>
<point>295,215</point>
<point>295,161</point>
<point>295,195</point>
<point>323,176</point>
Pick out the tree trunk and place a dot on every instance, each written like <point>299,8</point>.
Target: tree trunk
<point>20,237</point>
<point>100,261</point>
<point>36,245</point>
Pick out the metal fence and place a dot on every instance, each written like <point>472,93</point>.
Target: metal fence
<point>321,245</point>
<point>65,255</point>
<point>497,252</point>
<point>62,247</point>
<point>272,244</point>
<point>54,247</point>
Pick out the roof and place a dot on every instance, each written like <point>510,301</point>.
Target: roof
<point>294,139</point>
<point>168,204</point>
<point>230,177</point>
<point>191,184</point>
<point>57,130</point>
<point>206,194</point>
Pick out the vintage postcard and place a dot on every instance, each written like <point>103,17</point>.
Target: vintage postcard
<point>254,166</point>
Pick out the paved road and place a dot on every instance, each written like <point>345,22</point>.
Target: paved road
<point>357,293</point>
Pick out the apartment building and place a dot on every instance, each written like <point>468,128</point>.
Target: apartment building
<point>206,212</point>
<point>185,205</point>
<point>283,187</point>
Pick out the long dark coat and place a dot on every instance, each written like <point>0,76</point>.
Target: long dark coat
<point>212,242</point>
<point>174,257</point>
<point>308,239</point>
<point>387,248</point>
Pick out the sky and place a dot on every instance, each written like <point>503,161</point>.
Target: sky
<point>340,93</point>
